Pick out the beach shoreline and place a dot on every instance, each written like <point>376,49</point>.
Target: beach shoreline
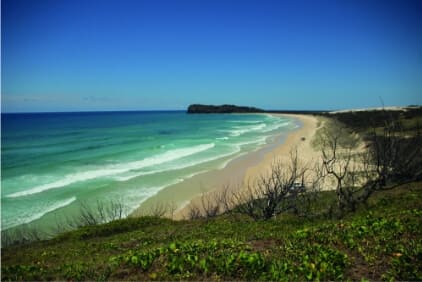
<point>298,140</point>
<point>179,197</point>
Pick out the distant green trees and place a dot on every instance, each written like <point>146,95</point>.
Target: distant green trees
<point>211,109</point>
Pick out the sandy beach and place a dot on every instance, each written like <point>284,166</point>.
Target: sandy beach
<point>239,171</point>
<point>299,140</point>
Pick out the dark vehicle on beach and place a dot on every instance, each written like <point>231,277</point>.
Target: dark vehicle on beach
<point>297,187</point>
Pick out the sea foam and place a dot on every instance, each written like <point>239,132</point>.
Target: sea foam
<point>115,169</point>
<point>274,127</point>
<point>35,214</point>
<point>122,178</point>
<point>240,130</point>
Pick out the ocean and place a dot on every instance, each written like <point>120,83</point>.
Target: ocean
<point>53,162</point>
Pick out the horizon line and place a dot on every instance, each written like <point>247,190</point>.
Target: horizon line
<point>158,110</point>
<point>181,110</point>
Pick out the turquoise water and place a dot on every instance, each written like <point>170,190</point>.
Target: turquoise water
<point>53,162</point>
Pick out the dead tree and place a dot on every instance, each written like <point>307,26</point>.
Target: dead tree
<point>211,204</point>
<point>307,203</point>
<point>272,193</point>
<point>337,161</point>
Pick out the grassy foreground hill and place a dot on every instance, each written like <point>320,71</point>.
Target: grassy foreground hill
<point>381,241</point>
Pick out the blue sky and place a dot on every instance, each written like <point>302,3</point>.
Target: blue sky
<point>77,55</point>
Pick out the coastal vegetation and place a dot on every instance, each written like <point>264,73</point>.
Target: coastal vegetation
<point>379,242</point>
<point>366,227</point>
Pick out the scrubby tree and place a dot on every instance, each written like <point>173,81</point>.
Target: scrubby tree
<point>393,157</point>
<point>274,192</point>
<point>390,157</point>
<point>340,166</point>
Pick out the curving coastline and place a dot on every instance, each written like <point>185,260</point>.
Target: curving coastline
<point>238,171</point>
